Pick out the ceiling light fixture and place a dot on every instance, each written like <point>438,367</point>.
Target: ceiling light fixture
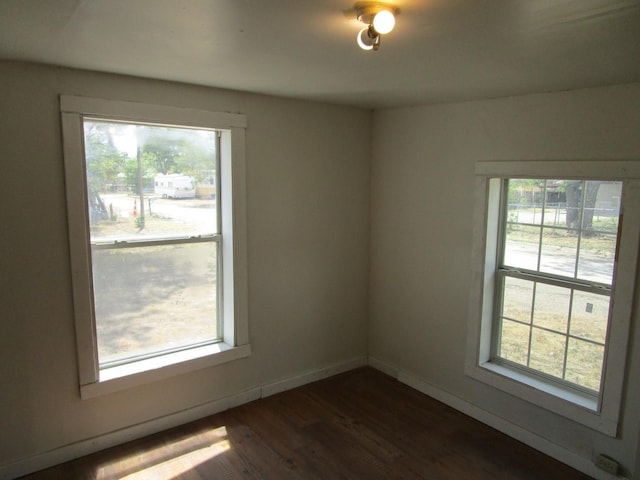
<point>380,19</point>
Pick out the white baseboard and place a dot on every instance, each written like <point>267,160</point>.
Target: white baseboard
<point>383,367</point>
<point>65,453</point>
<point>541,444</point>
<point>312,376</point>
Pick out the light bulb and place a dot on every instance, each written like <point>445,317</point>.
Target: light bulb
<point>365,42</point>
<point>384,21</point>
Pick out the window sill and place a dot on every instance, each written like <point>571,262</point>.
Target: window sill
<point>130,375</point>
<point>564,393</point>
<point>566,402</point>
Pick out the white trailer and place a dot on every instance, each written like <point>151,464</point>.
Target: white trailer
<point>174,185</point>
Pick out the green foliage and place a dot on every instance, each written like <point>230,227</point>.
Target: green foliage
<point>160,149</point>
<point>524,190</point>
<point>104,160</point>
<point>173,150</point>
<point>130,170</point>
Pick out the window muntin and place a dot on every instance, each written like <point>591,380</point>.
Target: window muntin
<point>154,237</point>
<point>554,278</point>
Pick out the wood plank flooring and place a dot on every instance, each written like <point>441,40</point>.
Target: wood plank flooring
<point>358,425</point>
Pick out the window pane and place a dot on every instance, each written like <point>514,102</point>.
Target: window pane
<point>601,206</point>
<point>521,246</point>
<point>525,201</point>
<point>151,299</point>
<point>514,344</point>
<point>149,181</point>
<point>551,307</point>
<point>558,251</point>
<point>517,299</point>
<point>597,253</point>
<point>547,352</point>
<point>555,212</point>
<point>589,316</point>
<point>584,363</point>
<point>607,207</point>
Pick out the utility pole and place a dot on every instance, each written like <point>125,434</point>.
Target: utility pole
<point>140,188</point>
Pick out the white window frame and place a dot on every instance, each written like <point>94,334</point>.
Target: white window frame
<point>235,332</point>
<point>601,413</point>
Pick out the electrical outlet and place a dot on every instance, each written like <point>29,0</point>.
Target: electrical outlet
<point>607,464</point>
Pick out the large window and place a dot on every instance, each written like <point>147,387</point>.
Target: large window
<point>155,219</point>
<point>552,295</point>
<point>555,273</point>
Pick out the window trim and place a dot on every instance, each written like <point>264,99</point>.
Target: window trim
<point>232,182</point>
<point>603,414</point>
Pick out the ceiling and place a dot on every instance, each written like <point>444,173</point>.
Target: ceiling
<point>440,51</point>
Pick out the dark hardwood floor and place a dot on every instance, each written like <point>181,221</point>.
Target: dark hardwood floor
<point>358,425</point>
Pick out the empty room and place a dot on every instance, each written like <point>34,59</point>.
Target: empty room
<point>320,239</point>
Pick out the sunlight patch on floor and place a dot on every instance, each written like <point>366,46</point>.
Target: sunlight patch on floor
<point>169,460</point>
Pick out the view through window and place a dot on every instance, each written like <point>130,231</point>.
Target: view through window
<point>154,216</point>
<point>555,277</point>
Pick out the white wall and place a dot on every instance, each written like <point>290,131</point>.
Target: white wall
<point>421,202</point>
<point>308,226</point>
<point>308,186</point>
